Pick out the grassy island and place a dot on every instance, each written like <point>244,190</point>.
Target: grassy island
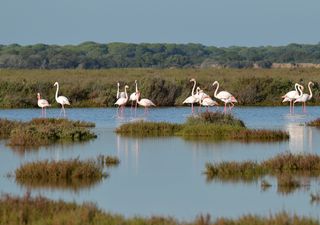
<point>39,132</point>
<point>212,125</point>
<point>65,174</point>
<point>40,210</point>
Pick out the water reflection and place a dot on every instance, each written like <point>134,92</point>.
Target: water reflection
<point>128,147</point>
<point>301,138</point>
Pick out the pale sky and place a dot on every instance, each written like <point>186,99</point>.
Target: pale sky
<point>208,22</point>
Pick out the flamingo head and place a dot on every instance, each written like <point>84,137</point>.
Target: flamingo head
<point>301,87</point>
<point>193,80</point>
<point>126,86</point>
<point>311,83</point>
<point>55,84</point>
<point>118,84</point>
<point>38,95</point>
<point>214,83</point>
<point>135,81</point>
<point>198,89</point>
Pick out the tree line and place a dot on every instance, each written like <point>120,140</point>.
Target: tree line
<point>91,55</point>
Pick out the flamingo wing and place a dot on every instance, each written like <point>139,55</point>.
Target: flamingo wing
<point>190,100</point>
<point>63,100</point>
<point>209,102</point>
<point>122,95</point>
<point>224,95</point>
<point>121,101</point>
<point>43,103</point>
<point>133,97</point>
<point>146,102</point>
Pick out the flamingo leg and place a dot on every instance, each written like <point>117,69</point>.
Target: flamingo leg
<point>64,111</point>
<point>45,112</point>
<point>192,109</point>
<point>225,107</point>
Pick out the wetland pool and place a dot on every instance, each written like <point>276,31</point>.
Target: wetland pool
<point>164,176</point>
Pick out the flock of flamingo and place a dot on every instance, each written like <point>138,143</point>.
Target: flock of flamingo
<point>197,96</point>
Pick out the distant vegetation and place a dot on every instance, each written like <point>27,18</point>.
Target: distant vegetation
<point>40,210</point>
<point>39,132</point>
<point>209,125</point>
<point>165,87</point>
<point>91,55</point>
<point>64,174</point>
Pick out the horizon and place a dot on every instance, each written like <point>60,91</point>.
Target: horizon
<point>210,22</point>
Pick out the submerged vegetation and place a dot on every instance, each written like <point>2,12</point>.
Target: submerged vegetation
<point>64,174</point>
<point>165,87</point>
<point>213,125</point>
<point>39,132</point>
<point>40,210</point>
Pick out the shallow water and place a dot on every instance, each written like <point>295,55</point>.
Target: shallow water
<point>163,176</point>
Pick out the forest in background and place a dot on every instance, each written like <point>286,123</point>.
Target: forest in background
<point>91,55</point>
<point>165,87</point>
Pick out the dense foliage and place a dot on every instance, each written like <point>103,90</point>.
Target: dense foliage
<point>91,55</point>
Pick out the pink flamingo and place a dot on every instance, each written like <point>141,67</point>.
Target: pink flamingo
<point>208,101</point>
<point>133,96</point>
<point>146,103</point>
<point>305,97</point>
<point>293,95</point>
<point>62,100</point>
<point>224,96</point>
<point>192,99</point>
<point>42,103</point>
<point>122,101</point>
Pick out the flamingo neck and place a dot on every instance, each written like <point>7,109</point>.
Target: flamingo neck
<point>194,86</point>
<point>310,91</point>
<point>216,91</point>
<point>125,92</point>
<point>136,86</point>
<point>300,91</point>
<point>138,96</point>
<point>118,91</point>
<point>57,91</point>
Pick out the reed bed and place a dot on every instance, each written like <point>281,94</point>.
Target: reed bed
<point>72,174</point>
<point>209,125</point>
<point>39,132</point>
<point>40,210</point>
<point>108,160</point>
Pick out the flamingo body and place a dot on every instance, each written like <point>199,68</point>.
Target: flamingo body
<point>42,103</point>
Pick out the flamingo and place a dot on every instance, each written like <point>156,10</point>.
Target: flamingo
<point>293,95</point>
<point>121,102</point>
<point>42,103</point>
<point>208,101</point>
<point>193,98</point>
<point>120,94</point>
<point>133,96</point>
<point>62,100</point>
<point>144,102</point>
<point>305,97</point>
<point>224,96</point>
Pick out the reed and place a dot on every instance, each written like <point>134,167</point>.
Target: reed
<point>108,160</point>
<point>73,174</point>
<point>40,210</point>
<point>39,132</point>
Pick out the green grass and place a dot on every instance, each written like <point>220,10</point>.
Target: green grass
<point>209,125</point>
<point>40,210</point>
<point>165,87</point>
<point>39,132</point>
<point>65,174</point>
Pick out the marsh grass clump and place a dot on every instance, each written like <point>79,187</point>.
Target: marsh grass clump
<point>315,197</point>
<point>283,166</point>
<point>314,123</point>
<point>217,118</point>
<point>66,173</point>
<point>142,128</point>
<point>287,184</point>
<point>39,132</point>
<point>40,210</point>
<point>108,160</point>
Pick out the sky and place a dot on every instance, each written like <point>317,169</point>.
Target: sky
<point>208,22</point>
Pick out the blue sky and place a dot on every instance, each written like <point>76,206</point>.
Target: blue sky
<point>209,22</point>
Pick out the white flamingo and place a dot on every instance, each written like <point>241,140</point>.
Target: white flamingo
<point>305,97</point>
<point>122,101</point>
<point>146,103</point>
<point>42,103</point>
<point>224,96</point>
<point>193,98</point>
<point>133,96</point>
<point>120,94</point>
<point>62,100</point>
<point>207,102</point>
<point>293,95</point>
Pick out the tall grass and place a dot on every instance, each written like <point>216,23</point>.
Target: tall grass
<point>165,87</point>
<point>39,132</point>
<point>209,125</point>
<point>63,174</point>
<point>40,210</point>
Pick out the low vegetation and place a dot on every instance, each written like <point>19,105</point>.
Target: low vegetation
<point>108,160</point>
<point>39,132</point>
<point>212,125</point>
<point>40,210</point>
<point>314,123</point>
<point>165,87</point>
<point>64,174</point>
<point>287,168</point>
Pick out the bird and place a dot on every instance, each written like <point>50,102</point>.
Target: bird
<point>305,97</point>
<point>42,103</point>
<point>62,100</point>
<point>224,96</point>
<point>208,101</point>
<point>293,95</point>
<point>192,99</point>
<point>144,102</point>
<point>133,96</point>
<point>122,101</point>
<point>120,94</point>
